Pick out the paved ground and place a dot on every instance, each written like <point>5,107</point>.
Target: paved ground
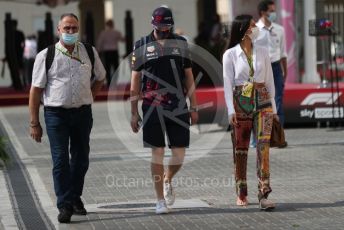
<point>307,179</point>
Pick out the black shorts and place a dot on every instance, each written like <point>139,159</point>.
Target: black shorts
<point>176,128</point>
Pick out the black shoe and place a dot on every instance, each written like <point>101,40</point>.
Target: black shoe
<point>283,145</point>
<point>78,208</point>
<point>64,215</point>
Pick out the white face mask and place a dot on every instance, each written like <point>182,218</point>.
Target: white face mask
<point>272,17</point>
<point>255,32</point>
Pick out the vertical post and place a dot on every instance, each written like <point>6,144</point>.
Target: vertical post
<point>129,32</point>
<point>11,53</point>
<point>230,11</point>
<point>209,9</point>
<point>288,22</point>
<point>98,15</point>
<point>49,29</point>
<point>310,54</point>
<point>209,12</point>
<point>89,28</point>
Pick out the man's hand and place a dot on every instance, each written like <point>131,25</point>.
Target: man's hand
<point>134,98</point>
<point>135,122</point>
<point>284,68</point>
<point>191,88</point>
<point>34,102</point>
<point>36,133</point>
<point>96,87</point>
<point>284,76</point>
<point>194,117</point>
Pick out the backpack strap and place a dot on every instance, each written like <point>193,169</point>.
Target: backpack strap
<point>90,54</point>
<point>51,55</point>
<point>50,58</point>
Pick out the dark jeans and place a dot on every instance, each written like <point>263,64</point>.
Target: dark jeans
<point>279,89</point>
<point>69,134</point>
<point>111,59</point>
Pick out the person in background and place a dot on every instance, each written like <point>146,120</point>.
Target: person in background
<point>202,38</point>
<point>272,36</point>
<point>107,46</point>
<point>30,52</point>
<point>247,74</point>
<point>216,30</point>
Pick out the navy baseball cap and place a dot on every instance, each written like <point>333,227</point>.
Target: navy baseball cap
<point>162,17</point>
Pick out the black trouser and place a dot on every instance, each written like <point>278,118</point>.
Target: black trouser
<point>111,59</point>
<point>28,67</point>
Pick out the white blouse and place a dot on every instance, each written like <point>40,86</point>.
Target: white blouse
<point>236,72</point>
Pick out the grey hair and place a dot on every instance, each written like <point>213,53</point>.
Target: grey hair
<point>68,15</point>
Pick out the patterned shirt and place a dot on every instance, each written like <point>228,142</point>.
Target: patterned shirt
<point>68,83</point>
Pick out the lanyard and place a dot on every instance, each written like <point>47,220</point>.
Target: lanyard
<point>71,56</point>
<point>248,86</point>
<point>250,63</point>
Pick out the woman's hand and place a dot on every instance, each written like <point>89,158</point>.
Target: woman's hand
<point>232,120</point>
<point>194,117</point>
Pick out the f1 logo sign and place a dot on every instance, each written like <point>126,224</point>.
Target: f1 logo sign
<point>326,98</point>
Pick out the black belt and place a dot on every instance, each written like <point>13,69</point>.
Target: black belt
<point>275,63</point>
<point>59,108</point>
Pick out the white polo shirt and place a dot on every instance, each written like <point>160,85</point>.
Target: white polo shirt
<point>236,72</point>
<point>68,83</point>
<point>272,38</point>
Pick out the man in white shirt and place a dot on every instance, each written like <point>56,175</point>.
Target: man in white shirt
<point>67,93</point>
<point>272,36</point>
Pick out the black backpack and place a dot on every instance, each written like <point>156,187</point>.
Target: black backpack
<point>51,55</point>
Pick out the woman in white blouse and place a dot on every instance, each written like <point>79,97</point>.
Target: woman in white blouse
<point>249,93</point>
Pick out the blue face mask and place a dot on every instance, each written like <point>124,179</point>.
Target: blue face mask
<point>272,17</point>
<point>69,39</point>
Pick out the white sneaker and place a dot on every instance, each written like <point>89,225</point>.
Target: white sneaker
<point>169,194</point>
<point>266,205</point>
<point>161,207</point>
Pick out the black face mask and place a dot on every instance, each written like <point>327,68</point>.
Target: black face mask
<point>163,34</point>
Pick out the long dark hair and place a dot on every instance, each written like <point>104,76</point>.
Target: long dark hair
<point>239,27</point>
